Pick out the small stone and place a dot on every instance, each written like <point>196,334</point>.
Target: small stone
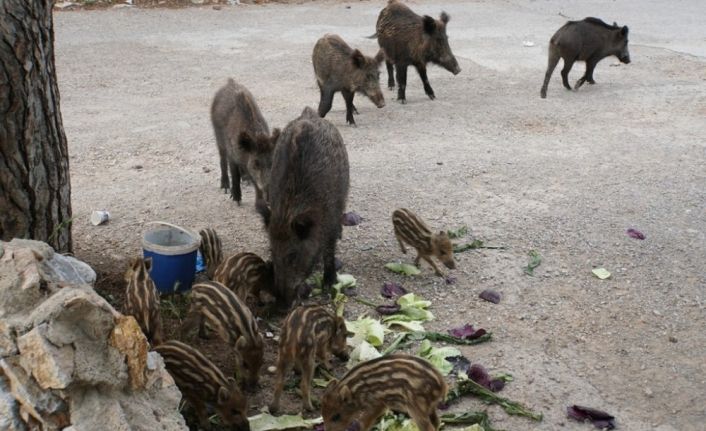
<point>271,369</point>
<point>269,334</point>
<point>206,169</point>
<point>649,393</point>
<point>656,312</point>
<point>216,7</point>
<point>137,167</point>
<point>673,339</point>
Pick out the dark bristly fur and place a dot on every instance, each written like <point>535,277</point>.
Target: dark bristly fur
<point>401,383</point>
<point>213,303</point>
<point>142,299</point>
<point>338,67</point>
<point>410,229</point>
<point>408,39</point>
<point>201,382</point>
<point>309,334</point>
<point>211,250</point>
<point>243,139</point>
<point>309,188</point>
<point>589,40</point>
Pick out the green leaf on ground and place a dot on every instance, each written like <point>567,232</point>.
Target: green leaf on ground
<point>457,233</point>
<point>267,422</point>
<point>601,273</point>
<point>403,268</point>
<point>535,260</point>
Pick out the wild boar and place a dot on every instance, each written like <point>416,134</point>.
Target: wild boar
<point>411,229</point>
<point>243,139</point>
<point>201,382</point>
<point>338,67</point>
<point>308,193</point>
<point>409,39</point>
<point>142,299</point>
<point>213,303</point>
<point>309,334</point>
<point>401,383</point>
<point>590,40</point>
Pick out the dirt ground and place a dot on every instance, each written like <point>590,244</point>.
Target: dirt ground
<point>565,176</point>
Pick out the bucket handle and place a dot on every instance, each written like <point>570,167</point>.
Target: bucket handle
<point>186,231</point>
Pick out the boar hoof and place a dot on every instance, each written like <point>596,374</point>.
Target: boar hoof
<point>402,101</point>
<point>273,408</point>
<point>543,94</point>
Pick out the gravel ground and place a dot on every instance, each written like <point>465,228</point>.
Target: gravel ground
<point>566,176</point>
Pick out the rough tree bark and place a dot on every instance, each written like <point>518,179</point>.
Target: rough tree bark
<point>34,164</point>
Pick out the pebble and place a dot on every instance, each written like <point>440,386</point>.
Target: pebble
<point>673,339</point>
<point>271,369</point>
<point>648,392</point>
<point>269,334</point>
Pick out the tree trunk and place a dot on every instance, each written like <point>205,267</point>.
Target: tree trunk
<point>35,190</point>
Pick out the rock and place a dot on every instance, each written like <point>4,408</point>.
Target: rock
<point>51,366</point>
<point>8,410</point>
<point>7,341</point>
<point>128,339</point>
<point>67,357</point>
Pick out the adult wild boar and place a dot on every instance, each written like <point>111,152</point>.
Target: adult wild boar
<point>409,39</point>
<point>243,139</point>
<point>590,40</point>
<point>338,67</point>
<point>308,192</point>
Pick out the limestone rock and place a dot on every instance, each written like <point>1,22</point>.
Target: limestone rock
<point>51,366</point>
<point>128,339</point>
<point>67,357</point>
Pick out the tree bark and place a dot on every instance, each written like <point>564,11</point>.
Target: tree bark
<point>35,190</point>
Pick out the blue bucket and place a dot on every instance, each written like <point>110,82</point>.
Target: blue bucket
<point>173,252</point>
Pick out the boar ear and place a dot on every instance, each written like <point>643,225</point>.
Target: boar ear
<point>264,212</point>
<point>358,59</point>
<point>624,31</point>
<point>241,344</point>
<point>429,24</point>
<point>148,263</point>
<point>223,395</point>
<point>302,225</point>
<point>246,142</point>
<point>345,395</point>
<point>445,18</point>
<point>275,135</point>
<point>379,57</point>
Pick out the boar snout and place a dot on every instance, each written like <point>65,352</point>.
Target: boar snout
<point>625,59</point>
<point>450,264</point>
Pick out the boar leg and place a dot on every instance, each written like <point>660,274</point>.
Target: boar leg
<point>329,265</point>
<point>305,384</point>
<point>390,75</point>
<point>565,72</point>
<point>348,97</point>
<point>221,141</point>
<point>370,415</point>
<point>326,101</point>
<point>424,423</point>
<point>235,192</point>
<point>433,265</point>
<point>402,247</point>
<point>422,70</point>
<point>588,75</point>
<point>551,65</point>
<point>284,367</point>
<point>401,70</point>
<point>200,410</point>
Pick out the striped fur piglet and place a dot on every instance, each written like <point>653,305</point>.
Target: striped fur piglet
<point>410,229</point>
<point>230,318</point>
<point>401,383</point>
<point>309,334</point>
<point>142,299</point>
<point>201,382</point>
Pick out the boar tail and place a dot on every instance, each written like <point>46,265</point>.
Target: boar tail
<point>372,36</point>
